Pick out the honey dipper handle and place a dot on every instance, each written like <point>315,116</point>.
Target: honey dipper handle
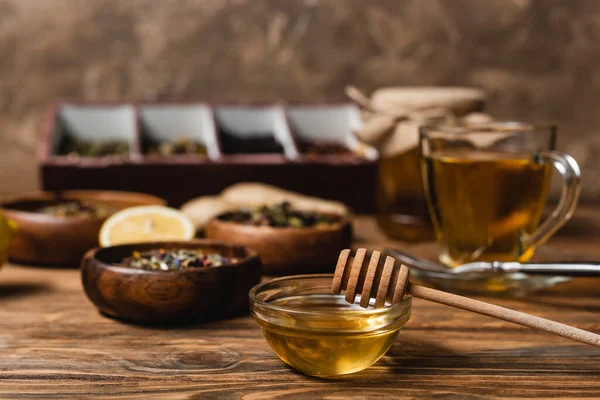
<point>505,314</point>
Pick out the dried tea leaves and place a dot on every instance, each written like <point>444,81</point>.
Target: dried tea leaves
<point>75,208</point>
<point>179,146</point>
<point>83,148</point>
<point>318,147</point>
<point>280,215</point>
<point>176,259</point>
<point>254,143</point>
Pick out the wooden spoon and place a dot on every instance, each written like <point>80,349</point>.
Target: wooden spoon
<point>389,284</point>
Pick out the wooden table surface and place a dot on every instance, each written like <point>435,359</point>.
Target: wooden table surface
<point>53,343</point>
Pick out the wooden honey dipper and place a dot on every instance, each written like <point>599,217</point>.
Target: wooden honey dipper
<point>389,284</point>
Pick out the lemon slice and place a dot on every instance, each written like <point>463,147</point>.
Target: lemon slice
<point>146,224</point>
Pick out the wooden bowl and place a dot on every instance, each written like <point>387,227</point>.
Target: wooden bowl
<point>169,296</point>
<point>288,251</point>
<point>42,239</point>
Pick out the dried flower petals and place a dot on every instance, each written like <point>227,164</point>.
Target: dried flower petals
<point>176,259</point>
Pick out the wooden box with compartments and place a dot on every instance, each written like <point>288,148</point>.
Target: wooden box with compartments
<point>179,151</point>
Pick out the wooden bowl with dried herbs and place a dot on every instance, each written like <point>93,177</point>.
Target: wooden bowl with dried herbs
<point>288,241</point>
<point>57,228</point>
<point>170,282</point>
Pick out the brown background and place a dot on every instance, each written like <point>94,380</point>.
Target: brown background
<point>538,59</point>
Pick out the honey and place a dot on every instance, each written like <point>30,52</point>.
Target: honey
<point>320,334</point>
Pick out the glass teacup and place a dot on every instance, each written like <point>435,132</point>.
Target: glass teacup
<point>486,188</point>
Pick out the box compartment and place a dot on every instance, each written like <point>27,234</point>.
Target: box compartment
<point>349,177</point>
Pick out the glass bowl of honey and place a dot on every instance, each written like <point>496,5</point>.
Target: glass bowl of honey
<point>319,333</point>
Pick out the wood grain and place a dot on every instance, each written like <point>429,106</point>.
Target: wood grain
<point>54,344</point>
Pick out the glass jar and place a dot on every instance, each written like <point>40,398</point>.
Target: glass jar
<point>402,210</point>
<point>392,126</point>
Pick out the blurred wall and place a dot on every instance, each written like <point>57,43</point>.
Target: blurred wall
<point>538,59</point>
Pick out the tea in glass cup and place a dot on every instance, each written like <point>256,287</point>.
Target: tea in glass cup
<point>486,189</point>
